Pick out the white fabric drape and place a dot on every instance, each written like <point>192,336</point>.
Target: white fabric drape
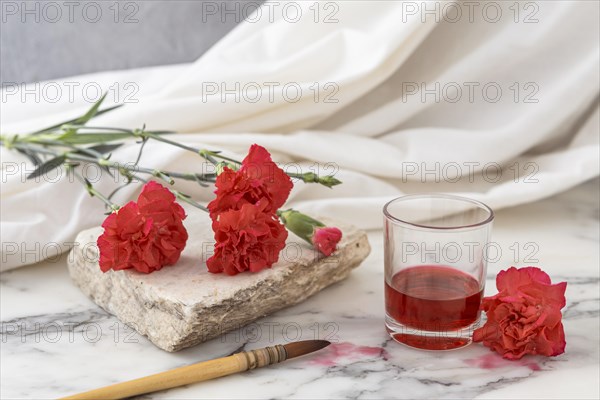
<point>405,103</point>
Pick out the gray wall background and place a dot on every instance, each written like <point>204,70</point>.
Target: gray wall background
<point>41,40</point>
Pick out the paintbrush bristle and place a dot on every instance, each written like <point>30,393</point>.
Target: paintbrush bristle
<point>297,349</point>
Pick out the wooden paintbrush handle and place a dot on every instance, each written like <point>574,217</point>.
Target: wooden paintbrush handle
<point>190,374</point>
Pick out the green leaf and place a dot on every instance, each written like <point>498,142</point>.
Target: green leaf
<point>73,121</point>
<point>104,148</point>
<point>100,137</point>
<point>67,133</point>
<point>98,151</point>
<point>47,166</point>
<point>33,157</point>
<point>91,112</point>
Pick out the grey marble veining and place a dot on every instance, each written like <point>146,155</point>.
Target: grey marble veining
<point>94,349</point>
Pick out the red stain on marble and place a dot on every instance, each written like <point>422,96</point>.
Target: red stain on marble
<point>494,361</point>
<point>337,353</point>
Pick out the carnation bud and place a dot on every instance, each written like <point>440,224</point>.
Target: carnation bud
<point>315,232</point>
<point>326,239</point>
<point>329,181</point>
<point>311,177</point>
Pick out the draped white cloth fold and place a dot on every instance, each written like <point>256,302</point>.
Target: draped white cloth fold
<point>391,100</point>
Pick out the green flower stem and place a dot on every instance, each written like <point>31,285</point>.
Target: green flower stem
<point>204,153</point>
<point>113,164</point>
<point>114,207</point>
<point>180,196</point>
<point>222,157</point>
<point>92,190</point>
<point>141,133</point>
<point>151,135</point>
<point>187,199</point>
<point>65,135</point>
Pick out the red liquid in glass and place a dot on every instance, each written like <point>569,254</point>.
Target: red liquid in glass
<point>432,298</point>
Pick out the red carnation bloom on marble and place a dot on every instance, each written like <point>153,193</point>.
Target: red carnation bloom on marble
<point>524,317</point>
<point>248,239</point>
<point>325,239</point>
<point>258,179</point>
<point>145,235</point>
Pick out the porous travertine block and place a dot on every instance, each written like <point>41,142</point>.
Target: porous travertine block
<point>183,305</point>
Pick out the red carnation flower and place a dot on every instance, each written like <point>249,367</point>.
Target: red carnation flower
<point>326,238</point>
<point>248,239</point>
<point>247,230</point>
<point>524,317</point>
<point>258,178</point>
<point>146,235</point>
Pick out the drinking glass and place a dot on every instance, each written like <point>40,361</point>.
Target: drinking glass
<point>435,268</point>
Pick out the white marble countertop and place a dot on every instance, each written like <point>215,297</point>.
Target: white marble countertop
<point>55,341</point>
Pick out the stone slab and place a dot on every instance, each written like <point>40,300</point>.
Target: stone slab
<point>184,305</point>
